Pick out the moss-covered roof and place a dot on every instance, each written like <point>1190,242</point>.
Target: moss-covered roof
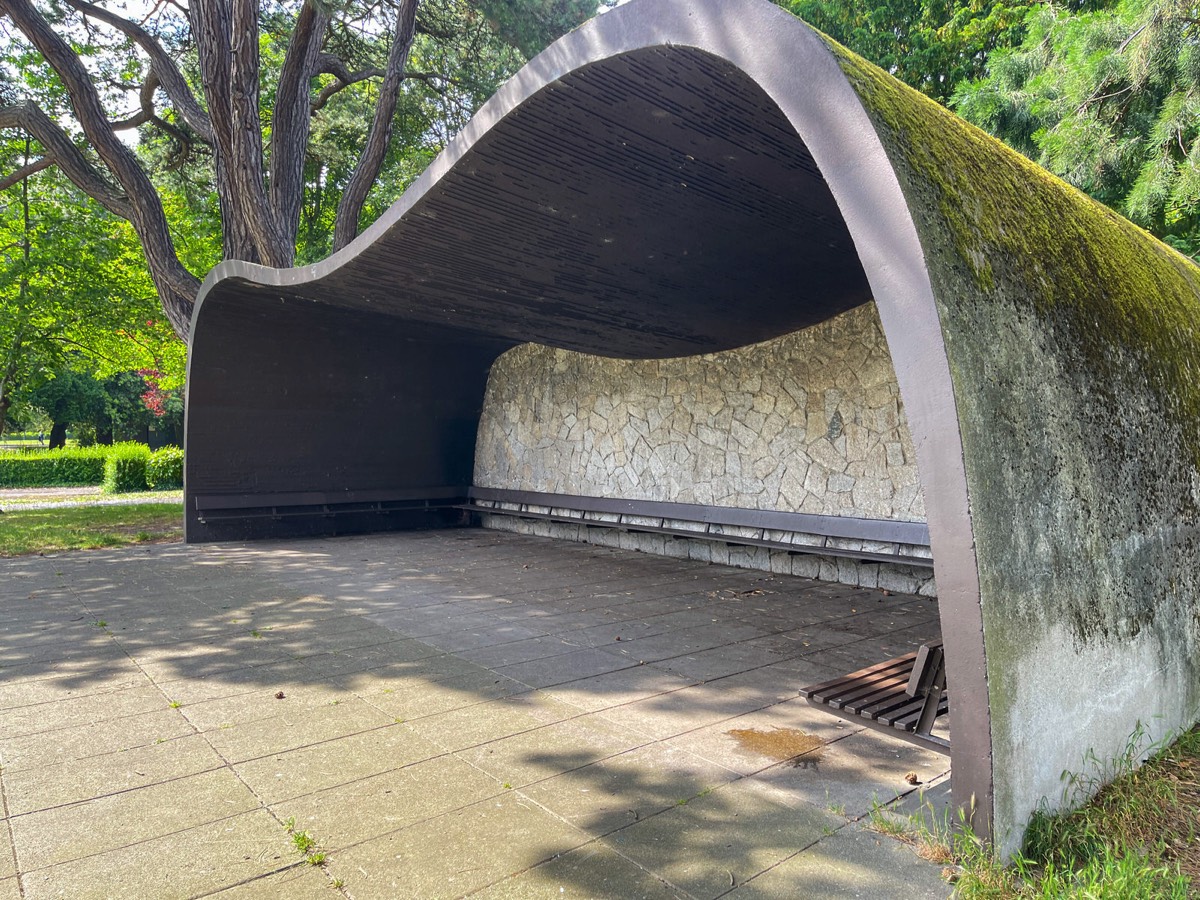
<point>1029,236</point>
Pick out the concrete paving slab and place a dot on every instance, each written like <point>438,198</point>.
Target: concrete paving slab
<point>414,702</point>
<point>552,749</point>
<point>617,688</point>
<point>8,859</point>
<point>719,840</point>
<point>624,788</point>
<point>104,736</point>
<point>230,683</point>
<point>299,882</point>
<point>852,775</point>
<point>25,692</point>
<point>191,863</point>
<point>10,889</point>
<point>79,830</point>
<point>565,667</point>
<point>482,723</point>
<point>455,854</point>
<point>585,873</point>
<point>68,712</point>
<point>263,703</point>
<point>364,659</point>
<point>352,813</point>
<point>285,776</point>
<point>776,682</point>
<point>290,730</point>
<point>73,781</point>
<point>851,863</point>
<point>665,716</point>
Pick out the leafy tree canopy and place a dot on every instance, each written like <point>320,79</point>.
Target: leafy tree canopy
<point>1109,100</point>
<point>74,290</point>
<point>931,45</point>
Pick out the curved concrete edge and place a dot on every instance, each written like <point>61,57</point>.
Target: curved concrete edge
<point>793,65</point>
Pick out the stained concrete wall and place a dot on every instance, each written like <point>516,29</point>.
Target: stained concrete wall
<point>1074,342</point>
<point>811,422</point>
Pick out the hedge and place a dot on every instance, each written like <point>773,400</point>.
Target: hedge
<point>164,470</point>
<point>125,468</point>
<point>53,468</point>
<point>120,468</point>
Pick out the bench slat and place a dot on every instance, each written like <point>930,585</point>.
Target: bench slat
<point>893,696</point>
<point>720,537</point>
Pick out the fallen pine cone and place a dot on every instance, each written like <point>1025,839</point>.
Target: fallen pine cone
<point>911,778</point>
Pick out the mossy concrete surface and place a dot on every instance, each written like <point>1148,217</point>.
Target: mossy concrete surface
<point>1073,339</point>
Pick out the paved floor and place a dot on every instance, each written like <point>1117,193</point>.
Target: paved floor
<point>440,714</point>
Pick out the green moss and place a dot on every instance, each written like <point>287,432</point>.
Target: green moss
<point>1026,237</point>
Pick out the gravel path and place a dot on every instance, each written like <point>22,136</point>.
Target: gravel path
<point>14,499</point>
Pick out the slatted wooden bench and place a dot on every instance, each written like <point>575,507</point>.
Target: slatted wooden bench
<point>280,505</point>
<point>909,540</point>
<point>902,697</point>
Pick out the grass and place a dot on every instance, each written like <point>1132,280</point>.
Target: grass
<point>23,532</point>
<point>1138,837</point>
<point>305,844</point>
<point>81,494</point>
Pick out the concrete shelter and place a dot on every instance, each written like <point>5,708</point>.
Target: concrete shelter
<point>685,179</point>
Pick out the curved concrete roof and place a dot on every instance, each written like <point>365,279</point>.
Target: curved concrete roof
<point>683,176</point>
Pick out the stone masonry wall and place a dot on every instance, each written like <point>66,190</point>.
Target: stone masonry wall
<point>811,422</point>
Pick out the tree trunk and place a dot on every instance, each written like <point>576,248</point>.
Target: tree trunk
<point>370,163</point>
<point>58,435</point>
<point>291,120</point>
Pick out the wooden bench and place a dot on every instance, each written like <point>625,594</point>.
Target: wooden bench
<point>902,697</point>
<point>279,505</point>
<point>714,523</point>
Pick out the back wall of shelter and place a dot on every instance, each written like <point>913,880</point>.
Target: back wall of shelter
<point>811,422</point>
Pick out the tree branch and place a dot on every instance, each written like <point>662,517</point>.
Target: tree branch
<point>371,161</point>
<point>176,286</point>
<point>62,152</point>
<point>161,65</point>
<point>349,209</point>
<point>348,78</point>
<point>248,173</point>
<point>292,119</point>
<point>25,171</point>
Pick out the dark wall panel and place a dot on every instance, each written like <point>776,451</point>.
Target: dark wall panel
<point>294,396</point>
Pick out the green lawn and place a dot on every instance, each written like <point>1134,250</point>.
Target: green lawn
<point>1139,837</point>
<point>45,530</point>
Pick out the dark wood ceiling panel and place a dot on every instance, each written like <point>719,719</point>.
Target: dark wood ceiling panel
<point>653,204</point>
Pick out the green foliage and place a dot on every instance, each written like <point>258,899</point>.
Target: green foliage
<point>52,468</point>
<point>533,24</point>
<point>931,45</point>
<point>164,469</point>
<point>1107,100</point>
<point>125,468</point>
<point>1120,844</point>
<point>74,290</point>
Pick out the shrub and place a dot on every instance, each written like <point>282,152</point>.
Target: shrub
<point>66,467</point>
<point>164,469</point>
<point>125,468</point>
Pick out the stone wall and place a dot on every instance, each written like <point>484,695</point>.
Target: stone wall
<point>811,422</point>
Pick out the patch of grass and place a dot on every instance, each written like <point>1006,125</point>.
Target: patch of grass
<point>305,843</point>
<point>1139,836</point>
<point>46,530</point>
